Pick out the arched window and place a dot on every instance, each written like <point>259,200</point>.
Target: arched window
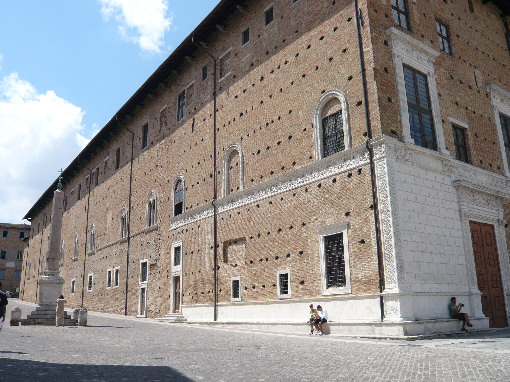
<point>75,251</point>
<point>233,170</point>
<point>331,124</point>
<point>150,211</point>
<point>179,196</point>
<point>62,252</point>
<point>123,232</point>
<point>92,238</point>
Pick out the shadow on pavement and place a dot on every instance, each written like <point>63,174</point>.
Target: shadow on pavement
<point>14,370</point>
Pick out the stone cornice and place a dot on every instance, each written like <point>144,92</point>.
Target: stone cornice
<point>407,40</point>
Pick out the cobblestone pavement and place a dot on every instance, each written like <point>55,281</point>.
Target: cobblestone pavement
<point>116,348</point>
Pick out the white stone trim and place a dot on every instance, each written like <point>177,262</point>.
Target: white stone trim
<point>317,121</point>
<point>458,123</point>
<point>226,155</point>
<point>176,269</point>
<point>115,279</point>
<point>232,290</point>
<point>500,99</point>
<point>406,50</point>
<point>279,294</point>
<point>343,228</point>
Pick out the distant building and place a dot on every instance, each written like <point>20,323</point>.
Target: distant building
<point>378,195</point>
<point>12,247</point>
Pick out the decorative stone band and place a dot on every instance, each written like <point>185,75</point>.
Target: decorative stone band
<point>333,165</point>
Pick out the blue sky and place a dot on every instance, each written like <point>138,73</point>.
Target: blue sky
<point>66,67</point>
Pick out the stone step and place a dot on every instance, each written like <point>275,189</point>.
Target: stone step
<point>47,321</point>
<point>172,317</point>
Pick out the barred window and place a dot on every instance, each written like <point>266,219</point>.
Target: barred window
<point>283,284</point>
<point>400,13</point>
<point>460,142</point>
<point>90,283</point>
<point>334,261</point>
<point>235,289</point>
<point>332,134</point>
<point>109,278</point>
<point>420,110</point>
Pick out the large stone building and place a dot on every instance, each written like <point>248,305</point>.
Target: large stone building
<point>297,151</point>
<point>12,246</point>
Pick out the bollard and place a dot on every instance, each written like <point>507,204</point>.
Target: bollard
<point>82,317</point>
<point>15,316</point>
<point>76,313</point>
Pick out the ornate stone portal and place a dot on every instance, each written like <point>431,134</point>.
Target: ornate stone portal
<point>50,283</point>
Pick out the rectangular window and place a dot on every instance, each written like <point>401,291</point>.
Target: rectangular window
<point>400,13</point>
<point>268,16</point>
<point>116,277</point>
<point>145,136</point>
<point>225,64</point>
<point>332,134</point>
<point>177,256</point>
<point>505,129</point>
<point>204,72</point>
<point>117,159</point>
<point>19,255</point>
<point>109,278</point>
<point>17,275</point>
<point>73,286</point>
<point>4,255</point>
<point>245,37</point>
<point>284,284</point>
<point>460,142</point>
<point>420,110</point>
<point>334,261</point>
<point>143,271</point>
<point>235,284</point>
<point>444,37</point>
<point>181,105</point>
<point>5,233</point>
<point>21,235</point>
<point>96,178</point>
<point>90,283</point>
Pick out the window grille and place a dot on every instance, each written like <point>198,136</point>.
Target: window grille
<point>283,283</point>
<point>335,261</point>
<point>420,111</point>
<point>333,134</point>
<point>236,289</point>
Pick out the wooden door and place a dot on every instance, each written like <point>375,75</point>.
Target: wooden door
<point>177,293</point>
<point>488,273</point>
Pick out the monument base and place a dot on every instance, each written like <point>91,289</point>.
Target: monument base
<point>46,315</point>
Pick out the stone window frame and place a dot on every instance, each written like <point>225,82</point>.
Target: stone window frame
<point>182,179</point>
<point>140,281</point>
<point>245,36</point>
<point>76,246</point>
<point>500,100</point>
<point>140,288</point>
<point>278,291</point>
<point>151,214</point>
<point>333,229</point>
<point>317,121</point>
<point>225,176</point>
<point>92,239</point>
<point>232,298</point>
<point>109,273</point>
<point>408,51</point>
<point>90,282</point>
<point>73,286</point>
<point>116,277</point>
<point>176,268</point>
<point>123,223</point>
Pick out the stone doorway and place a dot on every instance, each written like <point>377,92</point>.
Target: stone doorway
<point>488,273</point>
<point>142,302</point>
<point>177,294</point>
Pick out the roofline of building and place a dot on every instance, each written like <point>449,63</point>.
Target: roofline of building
<point>11,225</point>
<point>201,33</point>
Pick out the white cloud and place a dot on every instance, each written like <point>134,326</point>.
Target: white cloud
<point>144,22</point>
<point>40,133</point>
<point>1,58</point>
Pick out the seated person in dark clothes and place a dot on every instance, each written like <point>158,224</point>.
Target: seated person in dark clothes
<point>454,311</point>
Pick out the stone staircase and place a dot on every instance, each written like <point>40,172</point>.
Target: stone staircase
<point>172,317</point>
<point>46,316</point>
